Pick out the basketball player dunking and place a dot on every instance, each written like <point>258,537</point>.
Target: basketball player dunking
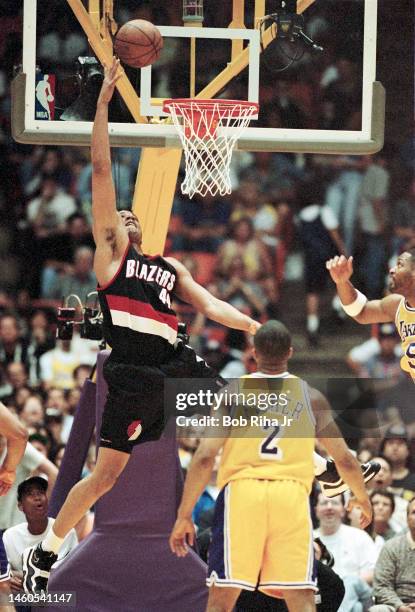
<point>399,306</point>
<point>262,533</point>
<point>136,293</point>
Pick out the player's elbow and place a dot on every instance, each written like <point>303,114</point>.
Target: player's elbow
<point>205,457</point>
<point>360,318</point>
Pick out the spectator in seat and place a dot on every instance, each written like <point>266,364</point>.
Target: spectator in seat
<point>372,217</point>
<point>381,530</point>
<point>81,280</point>
<point>40,341</point>
<point>244,244</point>
<point>383,481</point>
<point>395,448</point>
<point>32,460</point>
<point>12,346</point>
<point>403,220</point>
<point>32,413</point>
<point>394,581</point>
<point>318,230</point>
<point>33,502</point>
<point>353,550</point>
<point>243,292</point>
<point>386,364</point>
<point>48,212</point>
<point>15,379</point>
<point>369,350</point>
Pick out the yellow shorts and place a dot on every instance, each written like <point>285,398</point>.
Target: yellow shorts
<point>262,536</point>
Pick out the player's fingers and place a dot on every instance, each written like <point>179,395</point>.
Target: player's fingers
<point>4,488</point>
<point>191,537</point>
<point>180,548</point>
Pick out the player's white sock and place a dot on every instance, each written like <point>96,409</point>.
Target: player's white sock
<point>312,323</point>
<point>320,464</point>
<point>52,543</point>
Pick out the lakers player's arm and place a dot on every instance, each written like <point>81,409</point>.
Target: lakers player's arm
<point>110,235</point>
<point>190,291</point>
<point>373,311</point>
<point>16,436</point>
<point>199,474</point>
<point>347,465</point>
<point>197,478</point>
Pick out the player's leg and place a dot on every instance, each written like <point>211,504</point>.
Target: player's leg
<point>110,463</point>
<point>38,561</point>
<point>301,599</point>
<point>331,482</point>
<point>288,562</point>
<point>222,599</point>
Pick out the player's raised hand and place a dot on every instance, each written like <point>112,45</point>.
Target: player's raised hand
<point>340,268</point>
<point>111,75</point>
<point>366,510</point>
<point>7,478</point>
<point>182,536</point>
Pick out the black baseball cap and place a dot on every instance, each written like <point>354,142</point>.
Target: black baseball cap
<point>24,486</point>
<point>395,432</point>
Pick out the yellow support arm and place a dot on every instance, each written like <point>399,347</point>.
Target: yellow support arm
<point>104,54</point>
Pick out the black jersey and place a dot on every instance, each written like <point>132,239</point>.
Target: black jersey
<point>139,322</point>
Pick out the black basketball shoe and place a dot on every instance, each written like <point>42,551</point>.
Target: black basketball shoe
<point>332,484</point>
<point>36,569</point>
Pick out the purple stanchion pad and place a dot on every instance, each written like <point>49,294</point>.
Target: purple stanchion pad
<point>126,563</point>
<point>77,447</point>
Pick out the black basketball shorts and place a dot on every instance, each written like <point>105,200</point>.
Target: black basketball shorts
<point>135,410</point>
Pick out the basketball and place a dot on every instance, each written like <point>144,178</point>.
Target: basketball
<point>138,43</point>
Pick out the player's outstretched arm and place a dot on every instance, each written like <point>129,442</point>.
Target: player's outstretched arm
<point>108,228</point>
<point>347,465</point>
<point>355,303</point>
<point>197,478</point>
<point>190,291</point>
<point>16,436</point>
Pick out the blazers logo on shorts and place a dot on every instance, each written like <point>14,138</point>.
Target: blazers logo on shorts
<point>134,430</point>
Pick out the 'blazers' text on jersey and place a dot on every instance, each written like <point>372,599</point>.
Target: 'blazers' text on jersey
<point>139,322</point>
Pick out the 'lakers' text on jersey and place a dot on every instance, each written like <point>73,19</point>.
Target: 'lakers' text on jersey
<point>139,322</point>
<point>405,324</point>
<point>278,442</point>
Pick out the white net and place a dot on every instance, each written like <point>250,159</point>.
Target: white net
<point>208,131</point>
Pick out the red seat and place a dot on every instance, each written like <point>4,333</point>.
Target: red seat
<point>205,264</point>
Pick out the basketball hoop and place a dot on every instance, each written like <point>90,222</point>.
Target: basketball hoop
<point>208,130</point>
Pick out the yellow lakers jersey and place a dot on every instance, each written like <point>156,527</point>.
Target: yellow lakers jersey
<point>273,431</point>
<point>405,324</point>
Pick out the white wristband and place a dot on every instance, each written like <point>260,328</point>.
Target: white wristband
<point>357,306</point>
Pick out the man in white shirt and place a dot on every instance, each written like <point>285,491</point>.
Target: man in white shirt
<point>318,230</point>
<point>353,550</point>
<point>33,502</point>
<point>32,460</point>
